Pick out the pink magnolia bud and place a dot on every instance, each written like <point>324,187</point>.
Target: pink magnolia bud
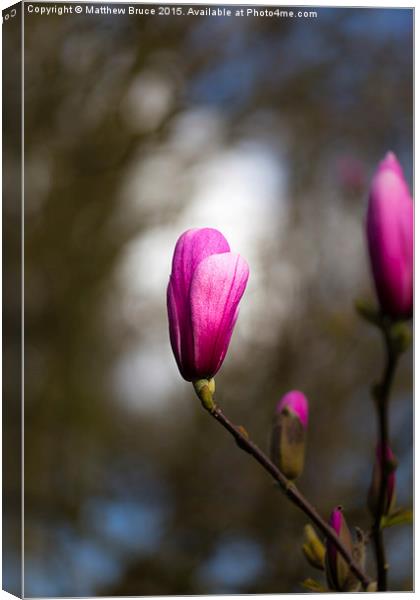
<point>205,287</point>
<point>296,403</point>
<point>385,462</point>
<point>389,227</point>
<point>339,576</point>
<point>288,434</point>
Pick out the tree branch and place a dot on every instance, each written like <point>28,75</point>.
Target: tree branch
<point>288,487</point>
<point>381,394</point>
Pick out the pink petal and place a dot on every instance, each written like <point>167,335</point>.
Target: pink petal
<point>336,519</point>
<point>391,162</point>
<point>217,287</point>
<point>295,401</point>
<point>191,248</point>
<point>174,323</point>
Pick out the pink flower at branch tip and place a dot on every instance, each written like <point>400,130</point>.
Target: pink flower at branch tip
<point>205,287</point>
<point>389,228</point>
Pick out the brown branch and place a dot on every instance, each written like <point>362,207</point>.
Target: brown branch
<point>288,487</point>
<point>381,394</point>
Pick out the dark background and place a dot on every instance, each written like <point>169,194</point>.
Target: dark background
<point>137,128</point>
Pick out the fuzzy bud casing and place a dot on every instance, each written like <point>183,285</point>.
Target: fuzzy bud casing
<point>313,548</point>
<point>288,435</point>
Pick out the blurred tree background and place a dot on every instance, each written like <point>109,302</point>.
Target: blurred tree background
<point>137,128</point>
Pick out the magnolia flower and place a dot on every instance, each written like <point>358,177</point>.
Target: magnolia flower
<point>289,433</point>
<point>205,287</point>
<point>389,226</point>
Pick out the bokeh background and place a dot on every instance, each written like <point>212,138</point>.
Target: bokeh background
<point>137,128</point>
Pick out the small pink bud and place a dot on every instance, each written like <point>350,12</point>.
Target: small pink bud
<point>389,227</point>
<point>339,576</point>
<point>205,287</point>
<point>288,434</point>
<point>297,403</point>
<point>387,463</point>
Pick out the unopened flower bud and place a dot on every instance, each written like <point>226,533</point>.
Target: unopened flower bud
<point>289,433</point>
<point>386,464</point>
<point>339,576</point>
<point>313,548</point>
<point>206,285</point>
<point>389,228</point>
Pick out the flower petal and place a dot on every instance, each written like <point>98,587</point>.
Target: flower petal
<point>174,325</point>
<point>217,287</point>
<point>297,402</point>
<point>191,248</point>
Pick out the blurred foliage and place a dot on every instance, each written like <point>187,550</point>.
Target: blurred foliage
<point>133,500</point>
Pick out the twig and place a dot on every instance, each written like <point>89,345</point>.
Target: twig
<point>381,394</point>
<point>288,487</point>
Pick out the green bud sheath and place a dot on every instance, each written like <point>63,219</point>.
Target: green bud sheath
<point>401,337</point>
<point>346,579</point>
<point>205,389</point>
<point>288,444</point>
<point>313,548</point>
<point>368,311</point>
